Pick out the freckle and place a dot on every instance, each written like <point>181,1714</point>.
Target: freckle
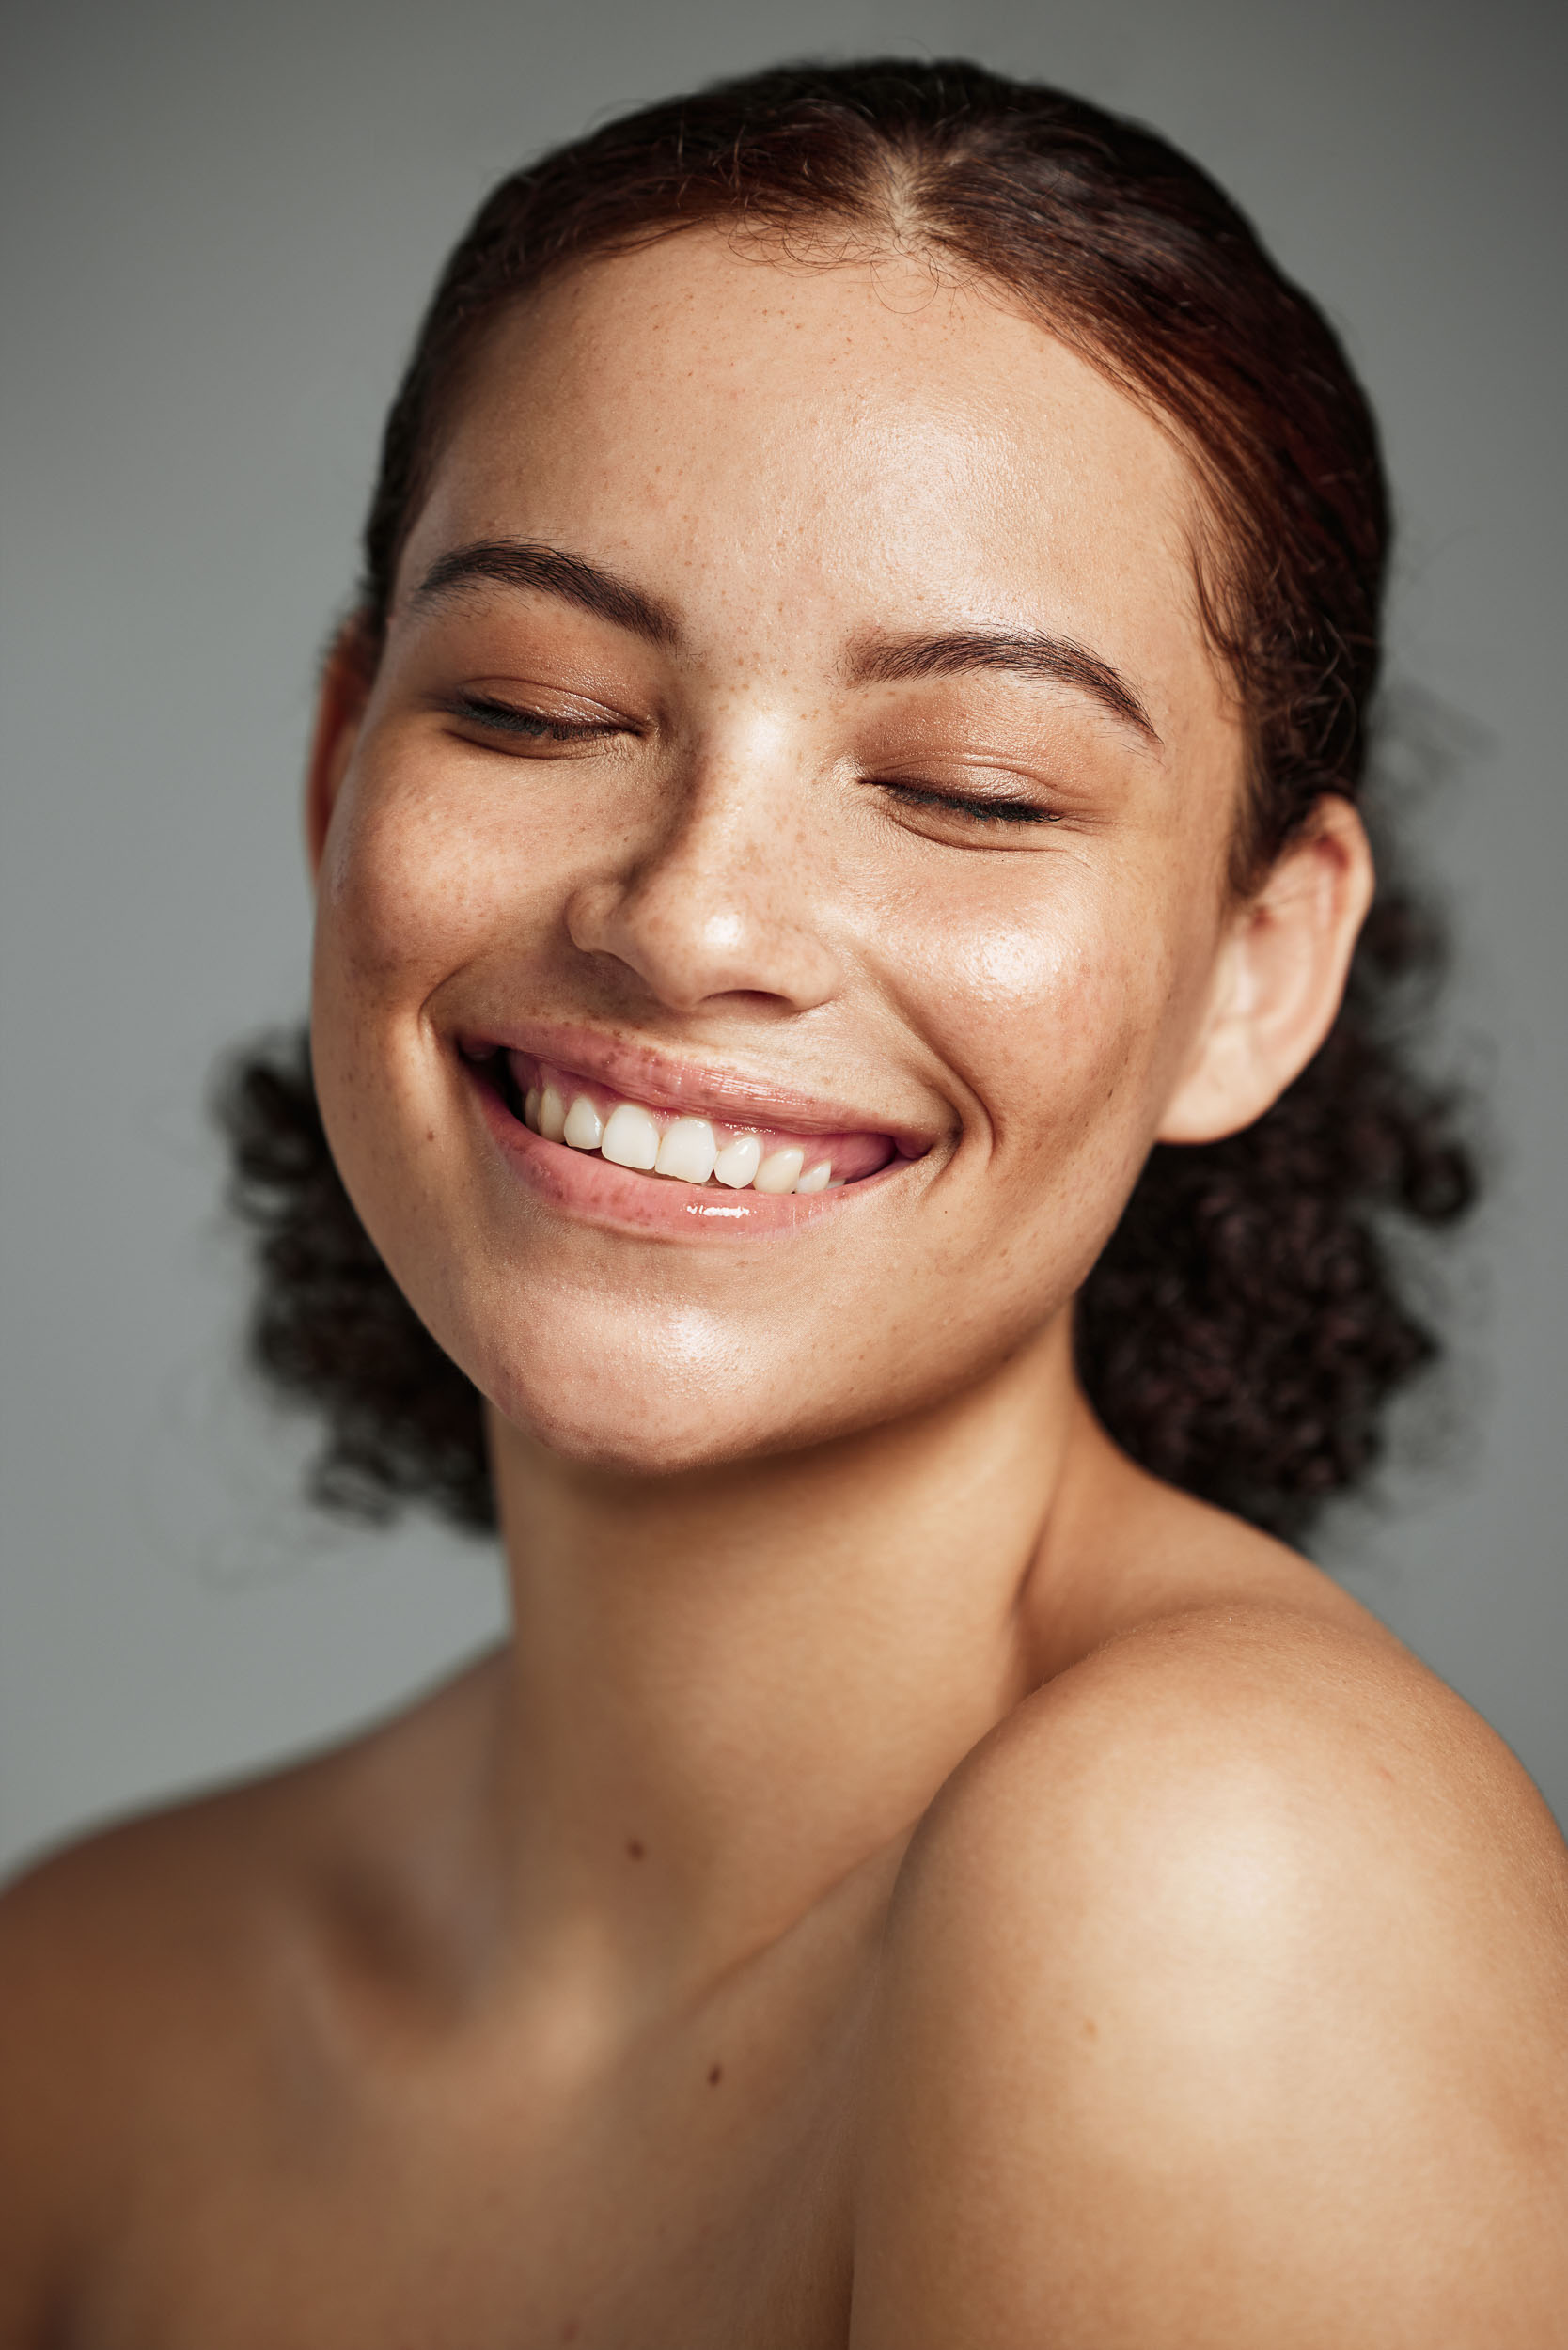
<point>715,2074</point>
<point>1091,2029</point>
<point>634,1850</point>
<point>568,2332</point>
<point>430,1134</point>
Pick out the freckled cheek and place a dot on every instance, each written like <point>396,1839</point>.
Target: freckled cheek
<point>414,884</point>
<point>1056,1029</point>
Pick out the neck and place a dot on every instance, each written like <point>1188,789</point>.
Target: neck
<point>731,1690</point>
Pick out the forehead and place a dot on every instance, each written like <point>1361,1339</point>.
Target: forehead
<point>793,443</point>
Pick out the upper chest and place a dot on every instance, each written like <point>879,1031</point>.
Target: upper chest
<point>480,2194</point>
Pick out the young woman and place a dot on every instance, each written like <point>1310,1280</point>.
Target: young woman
<point>838,858</point>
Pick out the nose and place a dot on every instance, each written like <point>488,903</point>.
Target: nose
<point>723,900</point>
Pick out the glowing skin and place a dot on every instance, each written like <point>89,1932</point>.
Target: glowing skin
<point>737,873</point>
<point>912,1882</point>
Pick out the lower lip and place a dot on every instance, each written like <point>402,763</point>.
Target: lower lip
<point>585,1184</point>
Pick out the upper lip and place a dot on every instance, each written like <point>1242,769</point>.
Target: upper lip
<point>641,1072</point>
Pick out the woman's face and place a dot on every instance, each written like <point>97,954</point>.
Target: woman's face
<point>796,720</point>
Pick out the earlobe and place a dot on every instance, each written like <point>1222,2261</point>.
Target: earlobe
<point>1279,980</point>
<point>345,685</point>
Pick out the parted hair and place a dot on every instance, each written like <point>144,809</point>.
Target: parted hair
<point>1246,1326</point>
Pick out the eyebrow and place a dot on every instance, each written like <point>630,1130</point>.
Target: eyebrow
<point>530,564</point>
<point>1028,653</point>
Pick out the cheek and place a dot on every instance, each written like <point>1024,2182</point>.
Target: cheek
<point>405,886</point>
<point>1063,1019</point>
<point>409,893</point>
<point>1066,1026</point>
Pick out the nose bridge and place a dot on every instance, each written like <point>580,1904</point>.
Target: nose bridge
<point>720,899</point>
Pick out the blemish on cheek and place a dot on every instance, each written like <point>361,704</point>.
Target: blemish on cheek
<point>635,1849</point>
<point>715,2074</point>
<point>568,2332</point>
<point>1091,2029</point>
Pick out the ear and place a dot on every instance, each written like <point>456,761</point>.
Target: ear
<point>1278,978</point>
<point>345,687</point>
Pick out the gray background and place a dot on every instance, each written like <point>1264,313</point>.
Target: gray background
<point>219,225</point>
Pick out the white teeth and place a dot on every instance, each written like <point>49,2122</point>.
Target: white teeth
<point>687,1152</point>
<point>583,1127</point>
<point>631,1135</point>
<point>738,1162</point>
<point>779,1170</point>
<point>685,1148</point>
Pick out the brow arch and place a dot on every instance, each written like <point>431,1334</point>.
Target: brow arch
<point>1027,652</point>
<point>531,565</point>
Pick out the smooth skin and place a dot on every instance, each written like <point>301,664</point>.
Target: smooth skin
<point>912,1882</point>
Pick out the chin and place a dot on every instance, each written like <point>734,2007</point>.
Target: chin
<point>683,1403</point>
<point>631,1438</point>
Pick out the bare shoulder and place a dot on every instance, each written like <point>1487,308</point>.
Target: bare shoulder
<point>156,1985</point>
<point>1226,1999</point>
<point>122,1966</point>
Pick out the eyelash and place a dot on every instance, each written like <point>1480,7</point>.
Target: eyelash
<point>505,718</point>
<point>982,811</point>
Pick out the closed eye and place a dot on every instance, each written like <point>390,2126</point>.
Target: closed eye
<point>529,725</point>
<point>534,725</point>
<point>989,809</point>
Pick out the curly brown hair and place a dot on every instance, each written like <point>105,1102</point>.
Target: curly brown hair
<point>1245,1328</point>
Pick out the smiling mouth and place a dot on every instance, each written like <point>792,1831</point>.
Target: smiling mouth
<point>712,1155</point>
